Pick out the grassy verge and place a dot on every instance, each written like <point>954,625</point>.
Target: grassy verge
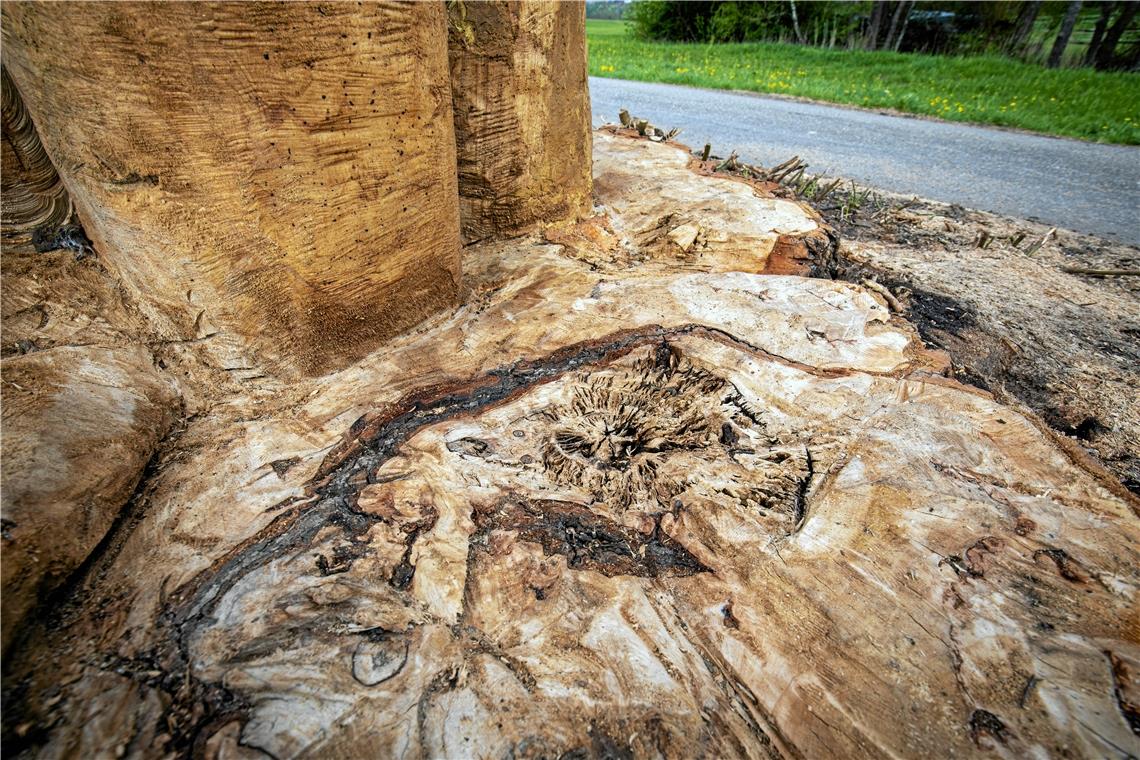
<point>1082,103</point>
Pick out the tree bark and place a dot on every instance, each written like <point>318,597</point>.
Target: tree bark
<point>1106,52</point>
<point>280,173</point>
<point>896,17</point>
<point>796,22</point>
<point>522,114</point>
<point>1064,34</point>
<point>905,21</point>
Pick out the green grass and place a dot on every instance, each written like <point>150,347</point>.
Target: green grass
<point>1081,103</point>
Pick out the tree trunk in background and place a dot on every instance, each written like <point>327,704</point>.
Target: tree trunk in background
<point>878,11</point>
<point>908,6</point>
<point>1024,27</point>
<point>888,44</point>
<point>1106,9</point>
<point>1063,36</point>
<point>522,114</point>
<point>1107,50</point>
<point>796,22</point>
<point>284,172</point>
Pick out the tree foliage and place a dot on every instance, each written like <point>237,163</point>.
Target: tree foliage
<point>606,9</point>
<point>1105,34</point>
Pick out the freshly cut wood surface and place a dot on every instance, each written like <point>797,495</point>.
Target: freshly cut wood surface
<point>282,172</point>
<point>661,212</point>
<point>612,511</point>
<point>522,113</point>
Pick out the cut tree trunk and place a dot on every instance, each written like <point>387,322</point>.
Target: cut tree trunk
<point>627,501</point>
<point>80,424</point>
<point>522,114</point>
<point>281,172</point>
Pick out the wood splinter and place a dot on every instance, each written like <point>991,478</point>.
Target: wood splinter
<point>1101,272</point>
<point>887,295</point>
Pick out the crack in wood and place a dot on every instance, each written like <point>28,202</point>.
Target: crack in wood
<point>587,540</point>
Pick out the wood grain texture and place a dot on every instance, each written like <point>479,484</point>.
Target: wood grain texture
<point>80,424</point>
<point>283,171</point>
<point>33,195</point>
<point>522,113</point>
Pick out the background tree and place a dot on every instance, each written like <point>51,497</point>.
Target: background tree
<point>1106,9</point>
<point>1028,29</point>
<point>1025,20</point>
<point>1106,51</point>
<point>878,11</point>
<point>1063,36</point>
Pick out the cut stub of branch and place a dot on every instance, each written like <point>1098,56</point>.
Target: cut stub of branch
<point>728,164</point>
<point>1036,246</point>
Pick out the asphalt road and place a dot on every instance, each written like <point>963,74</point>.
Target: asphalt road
<point>1066,183</point>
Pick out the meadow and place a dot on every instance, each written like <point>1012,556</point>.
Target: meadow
<point>1081,103</point>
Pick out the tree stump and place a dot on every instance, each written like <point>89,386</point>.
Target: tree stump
<point>626,501</point>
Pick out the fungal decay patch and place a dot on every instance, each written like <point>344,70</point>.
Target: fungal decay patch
<point>639,438</point>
